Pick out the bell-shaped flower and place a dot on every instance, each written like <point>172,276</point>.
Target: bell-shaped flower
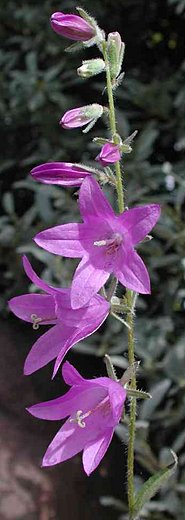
<point>93,408</point>
<point>109,153</point>
<point>61,173</point>
<point>105,242</point>
<point>77,117</point>
<point>54,308</point>
<point>72,26</point>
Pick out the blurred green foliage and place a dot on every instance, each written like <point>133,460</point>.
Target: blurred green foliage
<point>38,83</point>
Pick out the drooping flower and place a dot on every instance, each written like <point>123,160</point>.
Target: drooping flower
<point>105,242</point>
<point>54,308</point>
<point>61,173</point>
<point>72,26</point>
<point>93,407</point>
<point>81,116</point>
<point>109,153</point>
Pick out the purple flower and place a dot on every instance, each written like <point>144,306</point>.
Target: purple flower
<point>93,407</point>
<point>109,154</point>
<point>54,308</point>
<point>105,242</point>
<point>72,26</point>
<point>61,173</point>
<point>81,116</point>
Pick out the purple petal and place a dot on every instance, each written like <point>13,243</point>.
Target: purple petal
<point>70,375</point>
<point>58,408</point>
<point>72,26</point>
<point>117,397</point>
<point>93,202</point>
<point>46,348</point>
<point>71,439</point>
<point>95,312</point>
<point>95,450</point>
<point>87,281</point>
<point>76,335</point>
<point>75,118</point>
<point>132,273</point>
<point>109,154</point>
<point>42,305</point>
<point>62,174</point>
<point>63,240</point>
<point>68,404</point>
<point>36,280</point>
<point>138,222</point>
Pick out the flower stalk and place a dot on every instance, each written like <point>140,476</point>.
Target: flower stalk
<point>129,295</point>
<point>112,119</point>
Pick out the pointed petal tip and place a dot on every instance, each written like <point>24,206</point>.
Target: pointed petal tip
<point>26,370</point>
<point>87,472</point>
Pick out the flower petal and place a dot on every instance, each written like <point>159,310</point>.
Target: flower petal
<point>139,221</point>
<point>132,273</point>
<point>46,348</point>
<point>71,438</point>
<point>87,281</point>
<point>65,240</point>
<point>95,450</point>
<point>92,201</point>
<point>36,280</point>
<point>68,404</point>
<point>94,312</point>
<point>70,375</point>
<point>76,335</point>
<point>117,396</point>
<point>58,408</point>
<point>60,173</point>
<point>42,305</point>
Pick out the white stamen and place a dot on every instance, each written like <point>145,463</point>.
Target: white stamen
<point>100,243</point>
<point>36,321</point>
<point>79,418</point>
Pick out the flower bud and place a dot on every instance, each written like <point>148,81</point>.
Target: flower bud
<point>109,154</point>
<point>81,116</point>
<point>115,50</point>
<point>72,26</point>
<point>61,173</point>
<point>90,68</point>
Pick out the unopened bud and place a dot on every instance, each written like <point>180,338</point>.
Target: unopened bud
<point>90,68</point>
<point>86,115</point>
<point>115,49</point>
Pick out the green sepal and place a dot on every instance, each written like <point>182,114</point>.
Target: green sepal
<point>126,148</point>
<point>110,368</point>
<point>130,138</point>
<point>138,394</point>
<point>101,141</point>
<point>87,16</point>
<point>152,486</point>
<point>75,47</point>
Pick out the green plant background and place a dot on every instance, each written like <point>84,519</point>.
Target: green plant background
<point>38,84</point>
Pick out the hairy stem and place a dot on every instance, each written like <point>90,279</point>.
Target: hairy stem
<point>132,421</point>
<point>112,120</point>
<point>129,295</point>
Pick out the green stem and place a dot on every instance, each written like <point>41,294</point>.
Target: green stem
<point>112,119</point>
<point>129,294</point>
<point>132,420</point>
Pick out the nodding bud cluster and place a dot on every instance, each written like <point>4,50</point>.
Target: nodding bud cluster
<point>90,68</point>
<point>115,50</point>
<point>86,115</point>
